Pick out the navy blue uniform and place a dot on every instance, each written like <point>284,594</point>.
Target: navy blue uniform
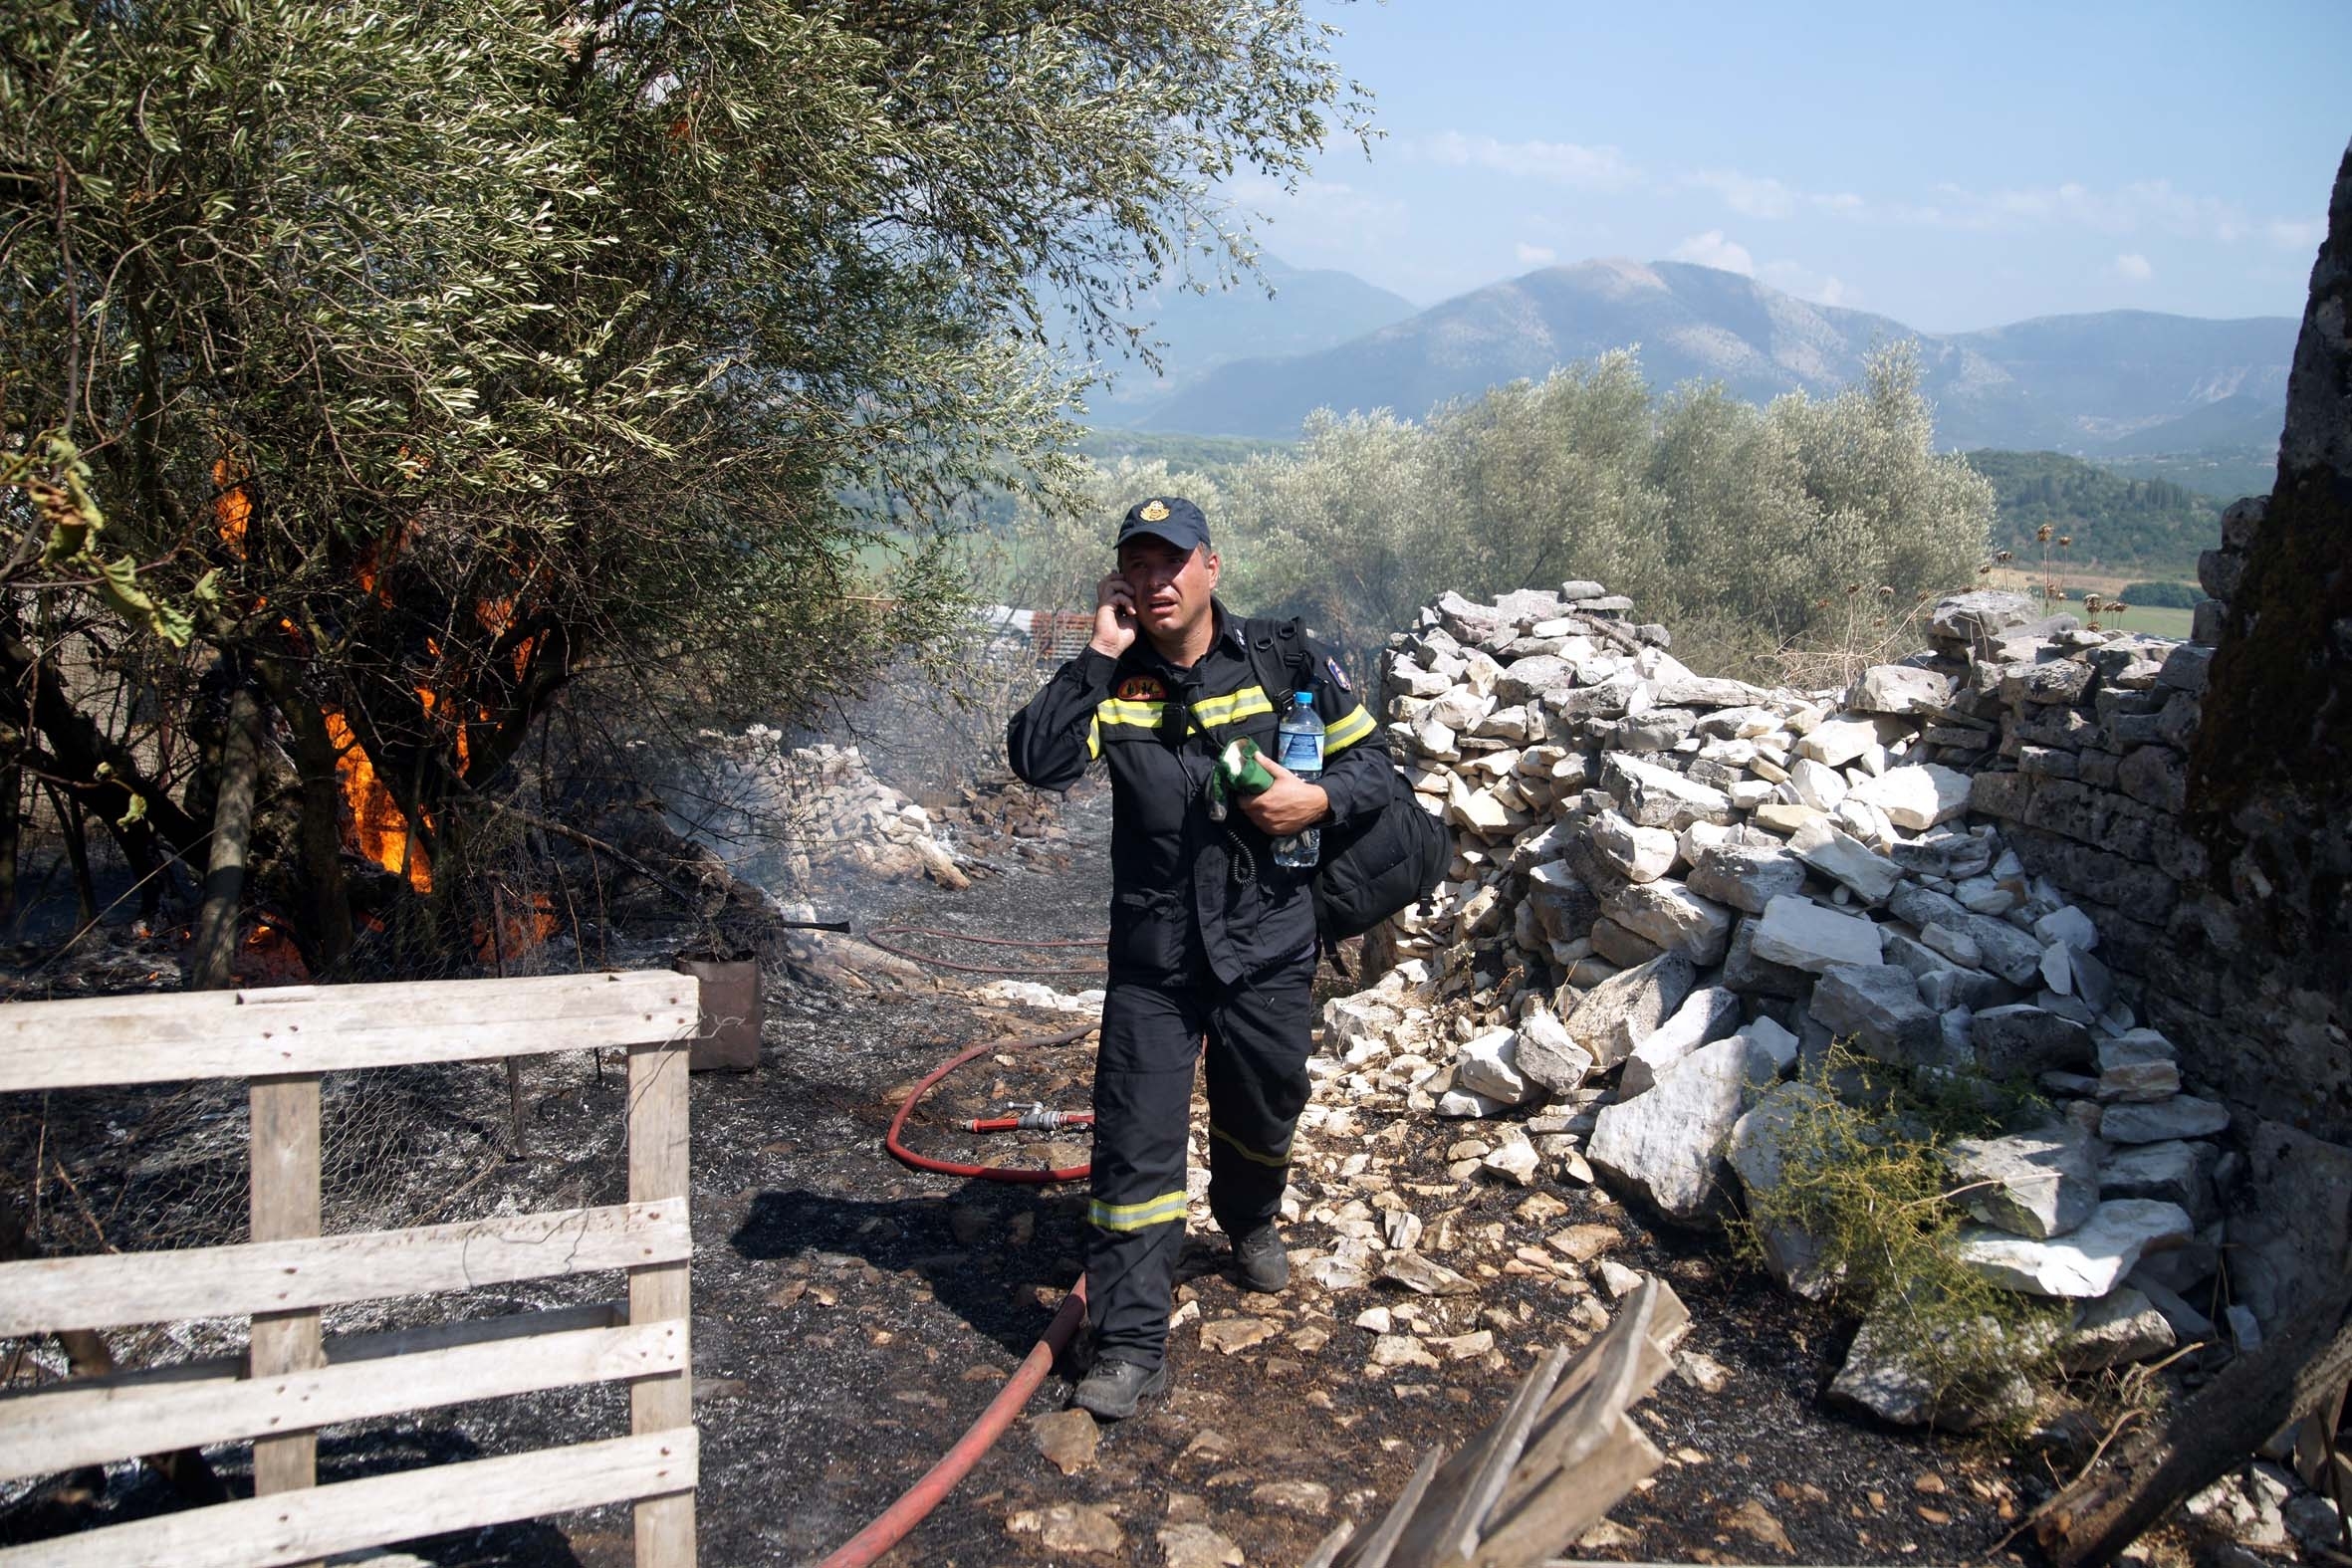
<point>1209,937</point>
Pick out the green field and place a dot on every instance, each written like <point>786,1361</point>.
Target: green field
<point>2157,621</point>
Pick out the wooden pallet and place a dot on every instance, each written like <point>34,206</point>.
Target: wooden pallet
<point>1558,1459</point>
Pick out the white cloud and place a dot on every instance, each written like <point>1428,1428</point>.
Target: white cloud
<point>2140,206</point>
<point>1535,255</point>
<point>1557,163</point>
<point>1712,250</point>
<point>1820,287</point>
<point>2132,267</point>
<point>2292,236</point>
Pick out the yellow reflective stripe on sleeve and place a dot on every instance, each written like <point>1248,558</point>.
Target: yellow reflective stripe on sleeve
<point>1231,708</point>
<point>1138,1217</point>
<point>1349,731</point>
<point>1115,710</point>
<point>1095,736</point>
<point>1277,1161</point>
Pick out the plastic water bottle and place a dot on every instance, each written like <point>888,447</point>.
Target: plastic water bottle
<point>1299,746</point>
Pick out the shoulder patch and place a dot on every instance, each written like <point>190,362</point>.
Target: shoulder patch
<point>1141,688</point>
<point>1339,675</point>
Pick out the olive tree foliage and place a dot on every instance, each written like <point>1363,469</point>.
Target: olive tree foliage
<point>1746,526</point>
<point>417,363</point>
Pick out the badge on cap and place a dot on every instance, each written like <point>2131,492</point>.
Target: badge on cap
<point>1339,675</point>
<point>1154,512</point>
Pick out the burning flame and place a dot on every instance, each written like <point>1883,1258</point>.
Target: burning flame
<point>376,820</point>
<point>518,931</point>
<point>232,509</point>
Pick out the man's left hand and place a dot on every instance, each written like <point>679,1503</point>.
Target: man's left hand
<point>1288,805</point>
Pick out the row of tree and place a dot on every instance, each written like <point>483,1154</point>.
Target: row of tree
<point>371,378</point>
<point>1805,527</point>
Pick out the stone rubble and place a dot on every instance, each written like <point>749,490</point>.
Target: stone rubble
<point>1667,891</point>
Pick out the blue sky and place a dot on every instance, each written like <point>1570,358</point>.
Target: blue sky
<point>1952,166</point>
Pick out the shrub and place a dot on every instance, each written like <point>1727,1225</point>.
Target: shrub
<point>2161,595</point>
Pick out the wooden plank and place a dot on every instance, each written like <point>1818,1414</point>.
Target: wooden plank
<point>271,1532</point>
<point>1601,1383</point>
<point>40,1294</point>
<point>166,1038</point>
<point>284,1207</point>
<point>658,1141</point>
<point>1572,1501</point>
<point>56,1428</point>
<point>1373,1550</point>
<point>342,1349</point>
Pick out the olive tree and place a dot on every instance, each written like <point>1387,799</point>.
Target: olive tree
<point>412,364</point>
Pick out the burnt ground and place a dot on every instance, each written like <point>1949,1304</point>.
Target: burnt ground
<point>854,1315</point>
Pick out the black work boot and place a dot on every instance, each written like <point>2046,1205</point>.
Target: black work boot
<point>1259,1257</point>
<point>1112,1389</point>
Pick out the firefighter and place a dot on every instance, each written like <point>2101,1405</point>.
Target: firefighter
<point>1209,937</point>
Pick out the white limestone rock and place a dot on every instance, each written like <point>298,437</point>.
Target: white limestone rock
<point>1612,1016</point>
<point>1488,1065</point>
<point>2086,1263</point>
<point>2036,1184</point>
<point>1639,854</point>
<point>2069,925</point>
<point>1918,796</point>
<point>1758,1151</point>
<point>2118,1328</point>
<point>1744,876</point>
<point>1674,919</point>
<point>1801,934</point>
<point>1899,689</point>
<point>1549,1057</point>
<point>1705,1016</point>
<point>2182,1116</point>
<point>1838,741</point>
<point>1666,1145</point>
<point>1842,857</point>
<point>1879,1006</point>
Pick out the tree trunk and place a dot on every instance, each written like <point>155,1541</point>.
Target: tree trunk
<point>215,949</point>
<point>12,790</point>
<point>71,828</point>
<point>2107,1506</point>
<point>320,842</point>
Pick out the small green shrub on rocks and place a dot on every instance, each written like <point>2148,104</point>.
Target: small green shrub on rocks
<point>1863,1177</point>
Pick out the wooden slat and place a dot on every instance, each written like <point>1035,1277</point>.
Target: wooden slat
<point>270,1532</point>
<point>658,1141</point>
<point>166,1038</point>
<point>41,1295</point>
<point>1572,1501</point>
<point>1374,1549</point>
<point>284,1207</point>
<point>344,1349</point>
<point>56,1428</point>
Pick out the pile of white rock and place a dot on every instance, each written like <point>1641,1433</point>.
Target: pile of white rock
<point>814,810</point>
<point>1669,890</point>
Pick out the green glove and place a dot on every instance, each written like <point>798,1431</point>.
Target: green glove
<point>1238,772</point>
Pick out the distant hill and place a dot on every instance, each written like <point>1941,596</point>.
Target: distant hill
<point>2118,525</point>
<point>1311,309</point>
<point>2072,382</point>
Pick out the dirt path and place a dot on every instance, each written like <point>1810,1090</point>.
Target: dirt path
<point>853,1316</point>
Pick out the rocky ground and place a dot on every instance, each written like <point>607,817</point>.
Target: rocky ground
<point>851,1315</point>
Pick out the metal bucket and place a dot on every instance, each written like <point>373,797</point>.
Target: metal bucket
<point>728,1038</point>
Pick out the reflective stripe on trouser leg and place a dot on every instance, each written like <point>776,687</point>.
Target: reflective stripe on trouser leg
<point>1142,1101</point>
<point>1258,1044</point>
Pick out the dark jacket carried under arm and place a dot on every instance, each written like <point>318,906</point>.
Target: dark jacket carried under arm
<point>1186,892</point>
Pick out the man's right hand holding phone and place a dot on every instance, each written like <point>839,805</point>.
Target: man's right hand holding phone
<point>1115,616</point>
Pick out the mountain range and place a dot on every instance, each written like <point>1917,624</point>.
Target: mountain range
<point>2115,382</point>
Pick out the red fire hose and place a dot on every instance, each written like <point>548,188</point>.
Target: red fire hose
<point>918,1501</point>
<point>992,1173</point>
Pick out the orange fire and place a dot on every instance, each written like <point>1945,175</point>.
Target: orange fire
<point>232,509</point>
<point>519,931</point>
<point>269,957</point>
<point>378,823</point>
